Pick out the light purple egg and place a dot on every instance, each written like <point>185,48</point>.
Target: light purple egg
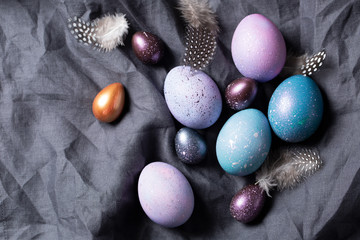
<point>165,194</point>
<point>258,48</point>
<point>193,97</point>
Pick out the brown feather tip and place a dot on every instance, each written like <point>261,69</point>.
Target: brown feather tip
<point>198,14</point>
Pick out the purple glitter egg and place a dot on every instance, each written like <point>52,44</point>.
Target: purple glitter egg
<point>165,194</point>
<point>247,203</point>
<point>240,93</point>
<point>258,48</point>
<point>147,47</point>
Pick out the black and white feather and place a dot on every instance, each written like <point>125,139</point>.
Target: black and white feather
<point>304,65</point>
<point>313,63</point>
<point>293,165</point>
<point>201,33</point>
<point>104,33</point>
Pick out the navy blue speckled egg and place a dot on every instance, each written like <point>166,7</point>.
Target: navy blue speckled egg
<point>295,109</point>
<point>190,146</point>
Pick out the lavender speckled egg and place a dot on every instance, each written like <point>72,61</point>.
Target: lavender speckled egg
<point>165,194</point>
<point>243,142</point>
<point>147,47</point>
<point>192,97</point>
<point>247,203</point>
<point>258,48</point>
<point>190,146</point>
<point>295,109</point>
<point>240,93</point>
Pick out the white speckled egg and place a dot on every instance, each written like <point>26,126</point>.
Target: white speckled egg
<point>243,142</point>
<point>165,194</point>
<point>193,97</point>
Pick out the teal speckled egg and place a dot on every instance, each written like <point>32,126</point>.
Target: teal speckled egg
<point>243,142</point>
<point>295,109</point>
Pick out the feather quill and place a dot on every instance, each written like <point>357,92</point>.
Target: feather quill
<point>292,167</point>
<point>105,33</point>
<point>201,32</point>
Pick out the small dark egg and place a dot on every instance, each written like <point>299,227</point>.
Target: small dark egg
<point>147,47</point>
<point>247,204</point>
<point>109,102</point>
<point>190,146</point>
<point>240,93</point>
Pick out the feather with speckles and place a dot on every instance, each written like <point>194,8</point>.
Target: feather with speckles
<point>201,33</point>
<point>304,65</point>
<point>293,165</point>
<point>105,33</point>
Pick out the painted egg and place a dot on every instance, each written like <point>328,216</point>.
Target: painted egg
<point>247,204</point>
<point>190,146</point>
<point>165,194</point>
<point>192,97</point>
<point>243,142</point>
<point>109,103</point>
<point>258,48</point>
<point>295,109</point>
<point>240,93</point>
<point>147,47</point>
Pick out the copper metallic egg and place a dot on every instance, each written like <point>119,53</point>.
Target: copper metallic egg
<point>109,103</point>
<point>147,47</point>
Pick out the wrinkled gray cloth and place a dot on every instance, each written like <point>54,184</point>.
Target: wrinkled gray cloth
<point>64,175</point>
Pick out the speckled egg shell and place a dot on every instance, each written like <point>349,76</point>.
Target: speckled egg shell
<point>243,142</point>
<point>247,204</point>
<point>258,48</point>
<point>295,109</point>
<point>147,47</point>
<point>190,146</point>
<point>192,97</point>
<point>165,194</point>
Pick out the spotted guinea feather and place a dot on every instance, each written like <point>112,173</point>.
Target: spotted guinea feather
<point>303,65</point>
<point>201,33</point>
<point>313,63</point>
<point>293,165</point>
<point>105,33</point>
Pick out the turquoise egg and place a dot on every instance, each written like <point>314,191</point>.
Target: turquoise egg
<point>295,109</point>
<point>243,142</point>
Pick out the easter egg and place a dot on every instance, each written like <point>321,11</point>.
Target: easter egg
<point>295,109</point>
<point>192,97</point>
<point>190,146</point>
<point>258,48</point>
<point>109,103</point>
<point>147,47</point>
<point>243,142</point>
<point>247,204</point>
<point>240,93</point>
<point>165,194</point>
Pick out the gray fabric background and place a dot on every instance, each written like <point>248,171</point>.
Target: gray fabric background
<point>64,175</point>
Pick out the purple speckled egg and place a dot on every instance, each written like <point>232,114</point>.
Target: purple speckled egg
<point>246,205</point>
<point>165,194</point>
<point>147,47</point>
<point>258,48</point>
<point>193,97</point>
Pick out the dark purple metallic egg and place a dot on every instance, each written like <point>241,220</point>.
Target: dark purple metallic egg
<point>247,203</point>
<point>240,93</point>
<point>147,47</point>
